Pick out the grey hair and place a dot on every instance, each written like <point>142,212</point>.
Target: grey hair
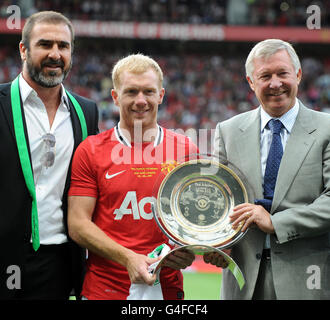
<point>267,48</point>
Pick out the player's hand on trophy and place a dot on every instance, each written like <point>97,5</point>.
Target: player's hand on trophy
<point>216,258</point>
<point>137,267</point>
<point>179,259</point>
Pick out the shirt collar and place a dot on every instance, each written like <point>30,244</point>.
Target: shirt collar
<point>288,119</point>
<point>122,139</point>
<point>26,91</point>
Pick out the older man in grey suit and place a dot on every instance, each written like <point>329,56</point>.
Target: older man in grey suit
<point>285,253</point>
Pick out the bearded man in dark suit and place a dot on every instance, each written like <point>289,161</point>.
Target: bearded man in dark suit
<point>41,124</point>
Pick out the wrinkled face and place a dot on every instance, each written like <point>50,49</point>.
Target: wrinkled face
<point>138,98</point>
<point>48,59</point>
<point>275,83</point>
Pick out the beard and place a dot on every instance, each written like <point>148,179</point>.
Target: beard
<point>48,79</point>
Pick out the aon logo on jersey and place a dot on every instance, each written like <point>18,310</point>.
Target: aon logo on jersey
<point>130,205</point>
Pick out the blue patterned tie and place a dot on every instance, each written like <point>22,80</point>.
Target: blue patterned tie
<point>273,163</point>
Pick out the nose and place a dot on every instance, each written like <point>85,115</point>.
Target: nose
<point>54,53</point>
<point>141,99</point>
<point>275,82</point>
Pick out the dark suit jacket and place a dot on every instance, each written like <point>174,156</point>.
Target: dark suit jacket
<point>15,200</point>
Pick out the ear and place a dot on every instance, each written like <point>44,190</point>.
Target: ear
<point>22,51</point>
<point>249,80</point>
<point>161,95</point>
<point>299,76</point>
<point>114,96</point>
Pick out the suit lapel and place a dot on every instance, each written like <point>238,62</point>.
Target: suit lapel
<point>297,148</point>
<point>75,126</point>
<point>5,105</point>
<point>249,151</point>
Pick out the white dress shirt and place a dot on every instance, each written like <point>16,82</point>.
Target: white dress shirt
<point>49,182</point>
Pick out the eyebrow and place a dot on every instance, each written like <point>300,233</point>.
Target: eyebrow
<point>139,88</point>
<point>46,41</point>
<point>280,68</point>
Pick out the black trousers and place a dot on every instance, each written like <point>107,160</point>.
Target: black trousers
<point>46,274</point>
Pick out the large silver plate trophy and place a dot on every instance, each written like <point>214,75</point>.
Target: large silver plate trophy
<point>194,201</point>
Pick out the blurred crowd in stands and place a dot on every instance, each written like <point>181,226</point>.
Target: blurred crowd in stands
<point>231,12</point>
<point>200,89</point>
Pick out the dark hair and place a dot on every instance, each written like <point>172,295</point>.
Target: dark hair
<point>50,17</point>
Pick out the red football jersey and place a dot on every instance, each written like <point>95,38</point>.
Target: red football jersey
<point>123,176</point>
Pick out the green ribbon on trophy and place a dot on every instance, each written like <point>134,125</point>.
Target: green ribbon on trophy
<point>236,271</point>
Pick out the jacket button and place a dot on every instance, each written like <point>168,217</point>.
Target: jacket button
<point>258,256</point>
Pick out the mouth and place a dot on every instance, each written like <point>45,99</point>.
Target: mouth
<point>52,70</point>
<point>277,94</point>
<point>140,112</point>
<point>53,65</point>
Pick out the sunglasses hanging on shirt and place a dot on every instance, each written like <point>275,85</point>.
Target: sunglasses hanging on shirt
<point>48,158</point>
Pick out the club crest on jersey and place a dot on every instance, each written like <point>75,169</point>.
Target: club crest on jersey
<point>168,166</point>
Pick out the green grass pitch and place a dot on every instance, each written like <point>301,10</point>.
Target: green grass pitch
<point>201,285</point>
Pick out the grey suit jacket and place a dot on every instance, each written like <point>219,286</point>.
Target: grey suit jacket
<point>300,213</point>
